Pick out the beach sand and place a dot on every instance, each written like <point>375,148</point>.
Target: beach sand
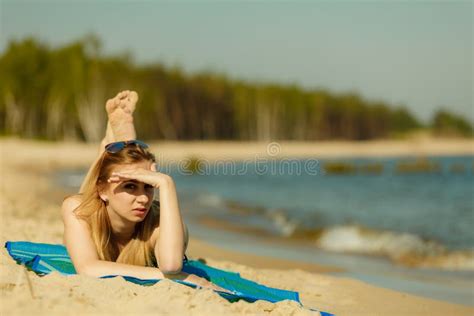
<point>30,210</point>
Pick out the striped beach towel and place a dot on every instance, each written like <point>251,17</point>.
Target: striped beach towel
<point>45,258</point>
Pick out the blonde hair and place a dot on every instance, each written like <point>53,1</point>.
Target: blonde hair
<point>139,251</point>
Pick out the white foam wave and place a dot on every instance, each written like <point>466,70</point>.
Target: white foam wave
<point>210,200</point>
<point>403,248</point>
<point>281,220</point>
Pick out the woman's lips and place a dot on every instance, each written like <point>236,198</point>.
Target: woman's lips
<point>140,211</point>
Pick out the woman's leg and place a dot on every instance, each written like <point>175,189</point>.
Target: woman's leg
<point>120,118</point>
<point>119,125</point>
<point>120,113</point>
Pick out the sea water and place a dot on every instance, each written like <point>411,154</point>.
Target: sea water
<point>426,214</point>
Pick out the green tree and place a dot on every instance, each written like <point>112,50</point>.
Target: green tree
<point>59,93</point>
<point>448,124</point>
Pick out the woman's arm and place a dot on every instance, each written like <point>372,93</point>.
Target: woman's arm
<point>104,142</point>
<point>169,248</point>
<point>102,268</point>
<point>99,268</point>
<point>83,253</point>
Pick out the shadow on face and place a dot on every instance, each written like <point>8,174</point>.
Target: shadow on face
<point>131,190</point>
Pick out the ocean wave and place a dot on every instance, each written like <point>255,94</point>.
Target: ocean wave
<point>403,248</point>
<point>400,247</point>
<point>285,225</point>
<point>210,200</point>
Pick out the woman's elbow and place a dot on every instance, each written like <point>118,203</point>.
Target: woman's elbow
<point>84,270</point>
<point>171,268</point>
<point>87,270</point>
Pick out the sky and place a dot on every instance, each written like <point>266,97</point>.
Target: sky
<point>418,54</point>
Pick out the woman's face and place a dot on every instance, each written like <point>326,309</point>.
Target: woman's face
<point>129,199</point>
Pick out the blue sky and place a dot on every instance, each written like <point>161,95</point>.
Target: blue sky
<point>413,53</point>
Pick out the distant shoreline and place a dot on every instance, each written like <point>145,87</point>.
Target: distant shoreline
<point>75,154</point>
<point>216,150</point>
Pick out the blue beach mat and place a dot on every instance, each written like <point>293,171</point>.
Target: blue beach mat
<point>46,258</point>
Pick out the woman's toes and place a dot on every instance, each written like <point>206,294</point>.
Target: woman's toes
<point>110,105</point>
<point>133,97</point>
<point>123,104</point>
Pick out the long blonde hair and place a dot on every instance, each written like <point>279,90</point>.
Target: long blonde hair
<point>139,251</point>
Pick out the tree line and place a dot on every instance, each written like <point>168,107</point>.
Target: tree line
<point>59,93</point>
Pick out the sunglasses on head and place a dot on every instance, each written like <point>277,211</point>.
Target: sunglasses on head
<point>114,148</point>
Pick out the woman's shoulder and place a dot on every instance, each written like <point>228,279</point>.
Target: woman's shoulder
<point>74,198</point>
<point>71,202</point>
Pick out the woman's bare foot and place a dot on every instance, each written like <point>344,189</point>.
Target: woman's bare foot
<point>120,112</point>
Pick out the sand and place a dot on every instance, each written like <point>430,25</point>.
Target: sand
<point>30,210</point>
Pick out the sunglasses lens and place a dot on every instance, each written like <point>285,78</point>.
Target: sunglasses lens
<point>115,147</point>
<point>140,143</point>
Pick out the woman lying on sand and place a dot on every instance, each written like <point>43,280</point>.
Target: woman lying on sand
<point>113,226</point>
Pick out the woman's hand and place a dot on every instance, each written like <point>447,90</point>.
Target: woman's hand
<point>194,279</point>
<point>198,281</point>
<point>151,177</point>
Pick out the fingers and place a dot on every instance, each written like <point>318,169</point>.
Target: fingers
<point>140,175</point>
<point>203,283</point>
<point>119,176</point>
<point>220,289</point>
<point>214,287</point>
<point>129,173</point>
<point>113,179</point>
